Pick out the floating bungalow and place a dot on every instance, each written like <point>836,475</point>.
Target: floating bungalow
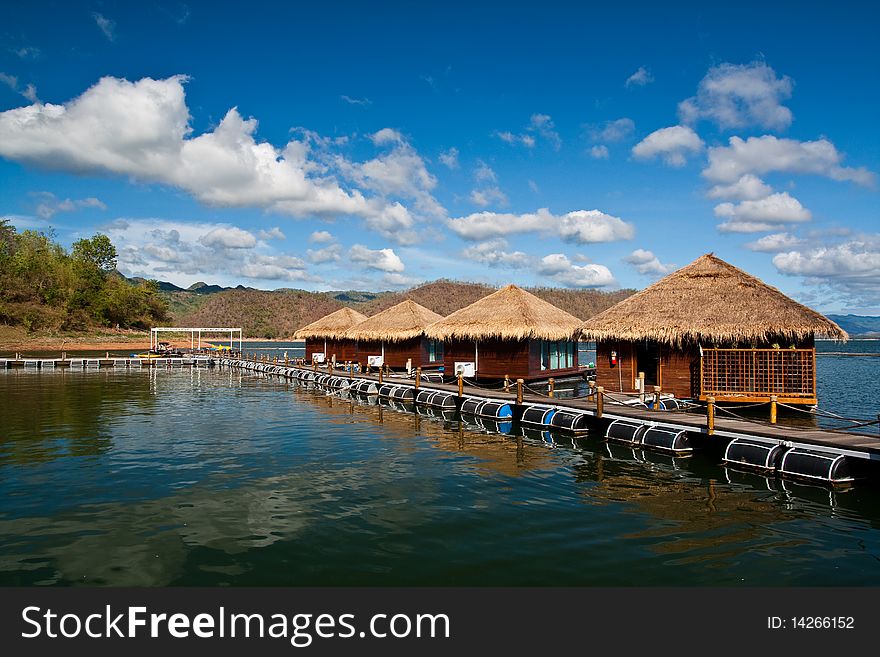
<point>398,336</point>
<point>711,329</point>
<point>325,338</point>
<point>509,333</point>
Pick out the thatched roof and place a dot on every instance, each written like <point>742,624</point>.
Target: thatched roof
<point>712,301</point>
<point>511,313</point>
<point>402,322</point>
<point>332,326</point>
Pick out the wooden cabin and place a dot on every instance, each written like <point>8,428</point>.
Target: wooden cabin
<point>711,329</point>
<point>327,336</point>
<point>398,336</point>
<point>512,333</point>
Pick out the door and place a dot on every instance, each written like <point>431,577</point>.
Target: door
<point>648,361</point>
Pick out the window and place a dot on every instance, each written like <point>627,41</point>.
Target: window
<point>435,351</point>
<point>557,355</point>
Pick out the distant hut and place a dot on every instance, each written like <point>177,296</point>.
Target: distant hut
<point>710,329</point>
<point>510,332</point>
<point>398,335</point>
<point>327,336</point>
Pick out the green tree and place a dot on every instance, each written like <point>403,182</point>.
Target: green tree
<point>97,251</point>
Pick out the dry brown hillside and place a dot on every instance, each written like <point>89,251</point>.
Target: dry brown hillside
<point>278,314</point>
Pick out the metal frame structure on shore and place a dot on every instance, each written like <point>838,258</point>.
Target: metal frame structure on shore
<point>194,331</point>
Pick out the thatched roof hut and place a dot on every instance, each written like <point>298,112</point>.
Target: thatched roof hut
<point>332,326</point>
<point>709,301</point>
<point>511,313</point>
<point>404,321</point>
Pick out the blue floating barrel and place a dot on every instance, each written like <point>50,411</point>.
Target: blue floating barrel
<point>625,432</point>
<point>570,421</point>
<point>497,410</point>
<point>752,453</point>
<point>827,467</point>
<point>674,441</point>
<point>537,415</point>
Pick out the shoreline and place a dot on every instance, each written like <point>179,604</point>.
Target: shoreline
<point>102,343</point>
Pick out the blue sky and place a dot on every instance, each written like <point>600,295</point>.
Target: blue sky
<point>336,146</point>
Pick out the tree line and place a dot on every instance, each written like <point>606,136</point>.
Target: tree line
<point>43,286</point>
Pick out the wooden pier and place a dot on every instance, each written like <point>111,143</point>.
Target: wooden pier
<point>90,363</point>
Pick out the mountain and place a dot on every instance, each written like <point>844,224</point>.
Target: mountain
<point>858,325</point>
<point>280,313</point>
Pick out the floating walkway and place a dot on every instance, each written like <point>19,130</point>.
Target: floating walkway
<point>811,454</point>
<point>89,363</point>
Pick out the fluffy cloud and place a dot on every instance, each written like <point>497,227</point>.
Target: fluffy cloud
<point>29,91</point>
<point>762,214</point>
<point>487,196</point>
<point>484,173</point>
<point>736,96</point>
<point>599,152</point>
<point>229,237</point>
<point>759,155</point>
<point>612,131</point>
<point>580,227</point>
<point>379,259</point>
<point>493,253</point>
<point>673,144</point>
<point>540,125</point>
<point>107,26</point>
<point>274,233</point>
<point>851,268</point>
<point>49,205</point>
<point>449,158</point>
<point>645,262</point>
<point>321,237</point>
<point>776,243</point>
<point>748,188</point>
<point>558,267</point>
<point>331,253</point>
<point>142,130</point>
<point>640,78</point>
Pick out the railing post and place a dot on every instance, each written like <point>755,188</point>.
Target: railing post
<point>519,391</point>
<point>656,398</point>
<point>710,415</point>
<point>551,384</point>
<point>418,376</point>
<point>506,383</point>
<point>772,409</point>
<point>591,388</point>
<point>380,375</point>
<point>600,401</point>
<point>461,385</point>
<point>642,387</point>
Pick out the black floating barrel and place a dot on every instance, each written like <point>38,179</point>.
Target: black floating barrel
<point>402,394</point>
<point>385,390</point>
<point>827,467</point>
<point>625,432</point>
<point>751,453</point>
<point>472,405</point>
<point>570,421</point>
<point>537,415</point>
<point>664,439</point>
<point>496,410</point>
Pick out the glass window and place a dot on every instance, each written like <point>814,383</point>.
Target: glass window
<point>545,355</point>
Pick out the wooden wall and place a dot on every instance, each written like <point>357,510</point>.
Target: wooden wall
<point>518,359</point>
<point>344,349</point>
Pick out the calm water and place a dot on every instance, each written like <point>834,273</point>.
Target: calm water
<point>215,477</point>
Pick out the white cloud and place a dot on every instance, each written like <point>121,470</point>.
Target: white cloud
<point>645,262</point>
<point>599,152</point>
<point>736,96</point>
<point>640,78</point>
<point>229,237</point>
<point>321,237</point>
<point>851,268</point>
<point>759,155</point>
<point>107,26</point>
<point>142,130</point>
<point>540,125</point>
<point>776,243</point>
<point>763,214</point>
<point>273,233</point>
<point>673,144</point>
<point>748,188</point>
<point>363,102</point>
<point>534,186</point>
<point>48,205</point>
<point>398,280</point>
<point>559,268</point>
<point>580,227</point>
<point>11,81</point>
<point>330,253</point>
<point>379,259</point>
<point>449,158</point>
<point>612,131</point>
<point>484,173</point>
<point>488,196</point>
<point>493,254</point>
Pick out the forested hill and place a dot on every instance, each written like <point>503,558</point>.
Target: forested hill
<point>278,314</point>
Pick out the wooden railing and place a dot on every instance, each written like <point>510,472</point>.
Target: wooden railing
<point>757,374</point>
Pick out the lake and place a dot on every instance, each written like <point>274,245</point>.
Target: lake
<point>160,477</point>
